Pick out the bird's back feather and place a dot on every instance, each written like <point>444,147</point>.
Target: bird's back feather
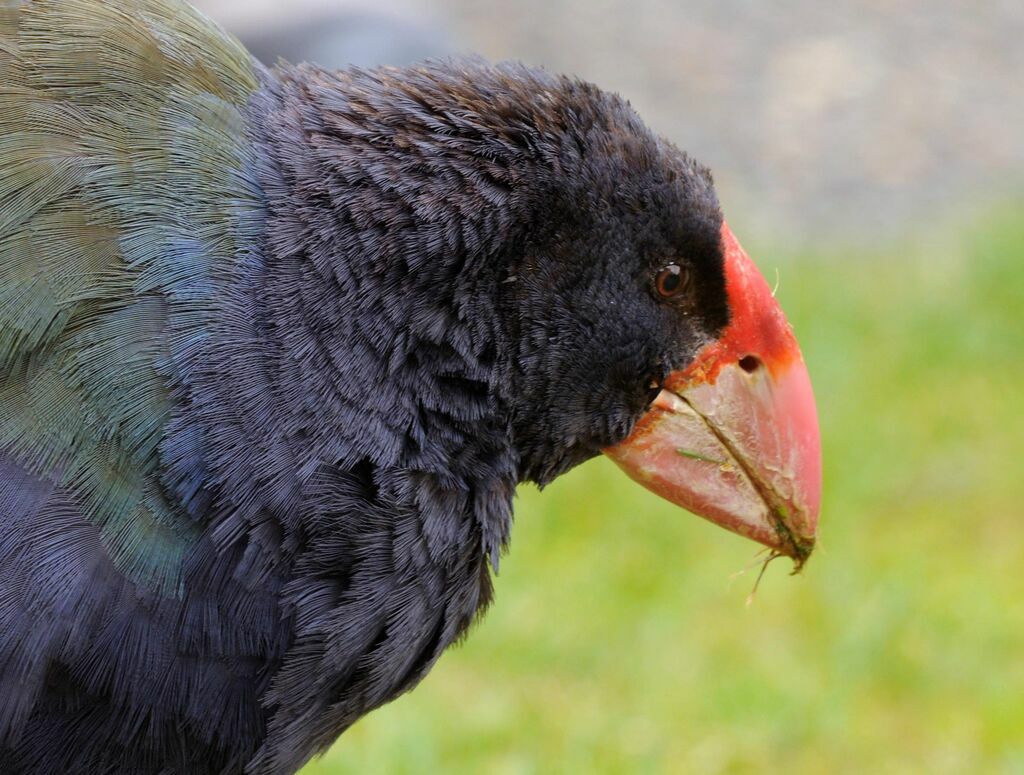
<point>127,190</point>
<point>125,185</point>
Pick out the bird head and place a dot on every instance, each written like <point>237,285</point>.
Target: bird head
<point>581,266</point>
<point>647,333</point>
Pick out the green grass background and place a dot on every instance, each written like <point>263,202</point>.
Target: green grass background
<point>619,643</point>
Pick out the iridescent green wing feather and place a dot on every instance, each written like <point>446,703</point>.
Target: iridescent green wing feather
<point>126,185</point>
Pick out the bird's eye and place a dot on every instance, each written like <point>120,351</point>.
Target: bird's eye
<point>672,281</point>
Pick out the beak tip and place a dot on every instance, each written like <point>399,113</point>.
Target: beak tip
<point>799,549</point>
<point>788,534</point>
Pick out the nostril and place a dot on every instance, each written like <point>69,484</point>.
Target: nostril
<point>750,363</point>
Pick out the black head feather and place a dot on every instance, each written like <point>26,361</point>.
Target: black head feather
<point>515,220</point>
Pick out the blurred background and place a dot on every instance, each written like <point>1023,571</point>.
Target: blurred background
<point>870,153</point>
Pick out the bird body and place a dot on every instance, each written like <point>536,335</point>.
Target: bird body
<point>155,499</point>
<point>276,347</point>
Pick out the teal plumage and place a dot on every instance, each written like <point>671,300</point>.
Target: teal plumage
<point>126,185</point>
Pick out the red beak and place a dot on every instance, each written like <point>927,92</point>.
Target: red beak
<point>734,436</point>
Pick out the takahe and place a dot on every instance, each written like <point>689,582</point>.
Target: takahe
<point>277,346</point>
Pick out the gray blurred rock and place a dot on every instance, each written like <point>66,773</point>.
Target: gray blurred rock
<point>333,34</point>
<point>353,39</point>
<point>851,118</point>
